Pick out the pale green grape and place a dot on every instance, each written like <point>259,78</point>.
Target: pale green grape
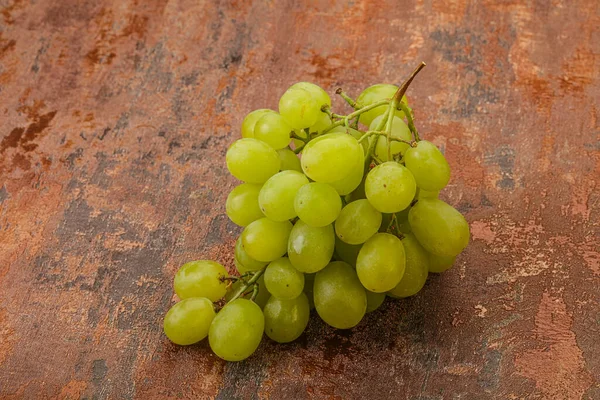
<point>285,320</point>
<point>426,194</point>
<point>330,157</point>
<point>283,280</point>
<point>261,298</point>
<point>355,134</point>
<point>309,248</point>
<point>276,198</point>
<point>381,262</point>
<point>242,204</point>
<point>347,252</point>
<point>237,330</point>
<point>252,161</point>
<point>428,165</point>
<point>322,123</point>
<point>390,187</point>
<point>417,266</point>
<point>309,282</point>
<point>247,262</point>
<point>350,182</point>
<point>357,222</point>
<point>399,131</point>
<point>316,91</point>
<point>374,300</point>
<point>439,227</point>
<point>439,264</point>
<point>188,321</point>
<point>317,204</point>
<point>299,108</point>
<point>289,160</point>
<point>273,129</point>
<point>373,94</point>
<point>265,240</point>
<point>339,297</point>
<point>203,278</point>
<point>250,121</point>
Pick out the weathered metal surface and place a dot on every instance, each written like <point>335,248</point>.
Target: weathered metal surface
<point>114,120</point>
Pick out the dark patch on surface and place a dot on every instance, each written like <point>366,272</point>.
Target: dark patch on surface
<point>220,228</point>
<point>41,51</point>
<point>99,371</point>
<point>104,133</point>
<point>6,47</point>
<point>73,157</point>
<point>235,50</point>
<point>241,380</point>
<point>490,374</point>
<point>3,194</point>
<point>504,157</point>
<point>190,79</point>
<point>24,136</point>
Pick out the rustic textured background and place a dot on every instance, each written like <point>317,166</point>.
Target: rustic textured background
<point>114,120</point>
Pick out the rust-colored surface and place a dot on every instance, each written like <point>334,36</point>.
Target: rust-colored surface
<point>114,120</point>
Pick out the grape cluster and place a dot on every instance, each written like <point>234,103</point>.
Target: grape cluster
<point>335,218</point>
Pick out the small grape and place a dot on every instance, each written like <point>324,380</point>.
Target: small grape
<point>439,264</point>
<point>188,321</point>
<point>374,300</point>
<point>242,204</point>
<point>426,194</point>
<point>283,280</point>
<point>376,93</point>
<point>323,122</point>
<point>309,248</point>
<point>265,240</point>
<point>417,265</point>
<point>299,108</point>
<point>399,131</point>
<point>250,121</point>
<point>347,252</point>
<point>273,129</point>
<point>355,134</point>
<point>330,157</point>
<point>357,222</point>
<point>252,161</point>
<point>285,320</point>
<point>428,165</point>
<point>316,91</point>
<point>289,160</point>
<point>381,262</point>
<point>390,187</point>
<point>352,181</point>
<point>202,278</point>
<point>276,197</point>
<point>317,204</point>
<point>247,262</point>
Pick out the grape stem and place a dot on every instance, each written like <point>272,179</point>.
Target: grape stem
<point>355,114</point>
<point>251,283</point>
<point>411,122</point>
<point>293,135</point>
<point>348,99</point>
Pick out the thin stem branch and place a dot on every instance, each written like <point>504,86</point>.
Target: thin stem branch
<point>411,123</point>
<point>240,291</point>
<point>302,139</point>
<point>348,99</point>
<point>356,113</point>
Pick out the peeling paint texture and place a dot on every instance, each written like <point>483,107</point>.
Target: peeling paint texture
<point>114,121</point>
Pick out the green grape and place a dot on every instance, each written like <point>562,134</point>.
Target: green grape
<point>339,297</point>
<point>273,129</point>
<point>247,262</point>
<point>239,267</point>
<point>283,280</point>
<point>417,265</point>
<point>289,160</point>
<point>201,278</point>
<point>357,222</point>
<point>439,264</point>
<point>317,204</point>
<point>439,227</point>
<point>399,131</point>
<point>374,300</point>
<point>390,187</point>
<point>402,221</point>
<point>376,93</point>
<point>250,121</point>
<point>309,248</point>
<point>276,198</point>
<point>285,320</point>
<point>322,123</point>
<point>330,157</point>
<point>242,204</point>
<point>309,282</point>
<point>355,134</point>
<point>299,108</point>
<point>252,161</point>
<point>188,321</point>
<point>428,165</point>
<point>261,298</point>
<point>381,262</point>
<point>237,330</point>
<point>316,91</point>
<point>347,252</point>
<point>265,240</point>
<point>349,183</point>
<point>426,194</point>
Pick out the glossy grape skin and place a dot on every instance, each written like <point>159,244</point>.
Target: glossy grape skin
<point>285,320</point>
<point>355,134</point>
<point>265,240</point>
<point>399,131</point>
<point>276,197</point>
<point>203,278</point>
<point>283,280</point>
<point>329,158</point>
<point>317,204</point>
<point>309,248</point>
<point>323,122</point>
<point>417,267</point>
<point>299,108</point>
<point>320,95</point>
<point>381,263</point>
<point>438,264</point>
<point>250,121</point>
<point>248,263</point>
<point>428,165</point>
<point>426,194</point>
<point>347,252</point>
<point>188,321</point>
<point>242,204</point>
<point>354,178</point>
<point>357,222</point>
<point>374,300</point>
<point>390,187</point>
<point>439,227</point>
<point>373,94</point>
<point>309,282</point>
<point>289,160</point>
<point>252,161</point>
<point>340,299</point>
<point>261,298</point>
<point>237,330</point>
<point>274,130</point>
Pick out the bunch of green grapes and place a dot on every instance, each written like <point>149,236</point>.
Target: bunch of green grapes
<point>337,211</point>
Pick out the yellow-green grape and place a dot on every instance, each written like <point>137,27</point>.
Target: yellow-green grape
<point>350,182</point>
<point>374,300</point>
<point>289,160</point>
<point>240,268</point>
<point>309,248</point>
<point>426,194</point>
<point>203,278</point>
<point>283,280</point>
<point>428,165</point>
<point>309,282</point>
<point>439,227</point>
<point>376,93</point>
<point>357,222</point>
<point>402,221</point>
<point>316,91</point>
<point>299,108</point>
<point>252,161</point>
<point>247,262</point>
<point>347,252</point>
<point>250,121</point>
<point>273,129</point>
<point>276,198</point>
<point>330,157</point>
<point>188,321</point>
<point>317,204</point>
<point>242,204</point>
<point>390,187</point>
<point>261,298</point>
<point>322,123</point>
<point>355,134</point>
<point>265,240</point>
<point>285,320</point>
<point>237,330</point>
<point>339,297</point>
<point>399,131</point>
<point>440,264</point>
<point>381,263</point>
<point>417,266</point>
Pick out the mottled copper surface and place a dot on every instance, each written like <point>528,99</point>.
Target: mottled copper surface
<point>114,121</point>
